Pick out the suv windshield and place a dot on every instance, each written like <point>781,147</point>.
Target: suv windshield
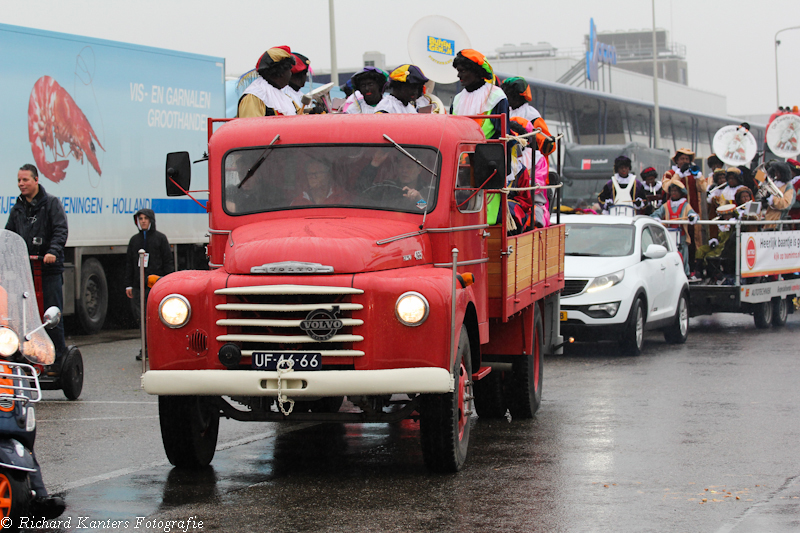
<point>361,176</point>
<point>600,240</point>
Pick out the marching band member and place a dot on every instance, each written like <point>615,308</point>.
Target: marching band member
<point>654,194</point>
<point>726,195</point>
<point>613,193</point>
<point>777,207</point>
<point>678,208</point>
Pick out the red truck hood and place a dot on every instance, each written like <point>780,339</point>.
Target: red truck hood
<point>346,244</point>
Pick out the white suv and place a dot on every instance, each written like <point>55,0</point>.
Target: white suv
<point>623,275</point>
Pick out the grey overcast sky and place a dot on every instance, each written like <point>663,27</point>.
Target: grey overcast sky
<point>729,44</point>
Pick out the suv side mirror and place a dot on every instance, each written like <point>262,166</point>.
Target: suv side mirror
<point>490,158</point>
<point>179,171</point>
<point>655,251</point>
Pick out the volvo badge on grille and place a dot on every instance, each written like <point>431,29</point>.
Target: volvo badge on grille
<point>321,324</point>
<point>292,267</point>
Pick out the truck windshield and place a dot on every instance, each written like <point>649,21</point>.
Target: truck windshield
<point>357,176</point>
<point>599,240</point>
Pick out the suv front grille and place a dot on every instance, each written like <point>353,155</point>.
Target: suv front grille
<point>266,318</point>
<point>573,286</point>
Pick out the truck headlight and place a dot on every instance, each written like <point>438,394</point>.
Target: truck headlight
<point>174,311</point>
<point>9,342</point>
<point>603,282</point>
<point>411,309</point>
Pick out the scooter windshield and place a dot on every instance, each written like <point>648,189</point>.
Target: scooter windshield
<point>17,312</point>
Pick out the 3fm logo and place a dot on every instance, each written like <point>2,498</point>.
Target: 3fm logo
<point>586,164</point>
<point>751,253</point>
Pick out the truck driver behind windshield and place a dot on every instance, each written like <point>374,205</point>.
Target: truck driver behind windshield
<point>406,185</point>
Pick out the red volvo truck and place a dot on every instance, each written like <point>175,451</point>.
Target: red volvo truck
<point>350,258</point>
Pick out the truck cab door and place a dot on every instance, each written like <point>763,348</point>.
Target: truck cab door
<point>468,210</point>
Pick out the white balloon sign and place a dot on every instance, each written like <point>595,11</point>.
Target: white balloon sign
<point>433,43</point>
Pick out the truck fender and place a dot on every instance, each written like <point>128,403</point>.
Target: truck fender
<point>15,456</point>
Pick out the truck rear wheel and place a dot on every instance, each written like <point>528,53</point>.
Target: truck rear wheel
<point>525,381</point>
<point>780,312</point>
<point>92,306</point>
<point>444,423</point>
<point>189,430</point>
<point>762,315</point>
<point>490,399</point>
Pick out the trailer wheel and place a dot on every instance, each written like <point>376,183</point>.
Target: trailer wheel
<point>678,331</point>
<point>92,306</point>
<point>780,312</point>
<point>762,315</point>
<point>189,430</point>
<point>525,382</point>
<point>490,399</point>
<point>71,376</point>
<point>444,423</point>
<point>632,340</point>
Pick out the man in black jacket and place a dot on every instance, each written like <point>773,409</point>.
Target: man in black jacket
<point>158,258</point>
<point>40,219</point>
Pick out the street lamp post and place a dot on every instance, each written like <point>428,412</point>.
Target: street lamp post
<point>777,42</point>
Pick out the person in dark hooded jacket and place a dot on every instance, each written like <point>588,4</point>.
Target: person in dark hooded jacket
<point>158,258</point>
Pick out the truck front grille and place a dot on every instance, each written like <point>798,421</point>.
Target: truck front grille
<point>266,318</point>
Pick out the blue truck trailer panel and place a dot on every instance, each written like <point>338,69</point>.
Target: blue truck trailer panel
<point>97,118</point>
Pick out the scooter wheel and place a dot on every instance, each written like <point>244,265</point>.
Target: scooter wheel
<point>72,373</point>
<point>15,496</point>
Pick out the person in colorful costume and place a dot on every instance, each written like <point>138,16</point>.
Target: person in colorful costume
<point>405,86</point>
<point>726,195</point>
<point>368,88</point>
<point>623,187</point>
<point>518,93</point>
<point>777,207</point>
<point>264,97</point>
<point>480,96</point>
<point>678,208</point>
<point>653,193</point>
<point>689,174</point>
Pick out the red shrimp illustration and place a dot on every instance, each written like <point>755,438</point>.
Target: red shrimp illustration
<point>54,119</point>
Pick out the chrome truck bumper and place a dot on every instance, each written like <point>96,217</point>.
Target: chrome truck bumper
<point>297,384</point>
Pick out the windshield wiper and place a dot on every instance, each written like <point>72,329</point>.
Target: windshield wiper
<point>414,159</point>
<point>261,159</point>
<point>579,254</point>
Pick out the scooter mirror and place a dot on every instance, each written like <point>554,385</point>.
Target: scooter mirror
<point>51,317</point>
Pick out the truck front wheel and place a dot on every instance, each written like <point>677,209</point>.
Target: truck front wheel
<point>444,424</point>
<point>525,382</point>
<point>189,429</point>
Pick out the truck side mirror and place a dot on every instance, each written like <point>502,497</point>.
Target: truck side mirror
<point>179,173</point>
<point>490,158</point>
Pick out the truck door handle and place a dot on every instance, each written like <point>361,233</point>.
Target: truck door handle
<point>485,234</point>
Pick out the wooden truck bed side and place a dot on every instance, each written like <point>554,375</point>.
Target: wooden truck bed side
<point>523,268</point>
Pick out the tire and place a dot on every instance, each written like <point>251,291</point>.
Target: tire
<point>762,315</point>
<point>15,497</point>
<point>189,430</point>
<point>92,306</point>
<point>490,399</point>
<point>632,340</point>
<point>444,423</point>
<point>524,385</point>
<point>678,331</point>
<point>71,375</point>
<point>780,312</point>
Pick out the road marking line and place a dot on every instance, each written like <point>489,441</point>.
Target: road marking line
<point>96,418</point>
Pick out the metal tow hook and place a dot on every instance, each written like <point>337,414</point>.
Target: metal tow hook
<point>284,367</point>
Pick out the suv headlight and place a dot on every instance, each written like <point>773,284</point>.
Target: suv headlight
<point>603,282</point>
<point>411,309</point>
<point>174,311</point>
<point>9,342</point>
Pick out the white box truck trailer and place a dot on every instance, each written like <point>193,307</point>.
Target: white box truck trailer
<point>96,117</point>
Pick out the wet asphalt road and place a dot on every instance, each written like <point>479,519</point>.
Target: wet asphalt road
<point>695,438</point>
